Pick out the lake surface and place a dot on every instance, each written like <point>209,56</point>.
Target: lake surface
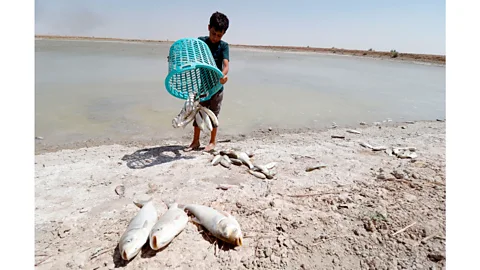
<point>88,90</point>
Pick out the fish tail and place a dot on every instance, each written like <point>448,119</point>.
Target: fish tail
<point>141,203</point>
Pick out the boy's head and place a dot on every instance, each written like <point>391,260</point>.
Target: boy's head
<point>217,27</point>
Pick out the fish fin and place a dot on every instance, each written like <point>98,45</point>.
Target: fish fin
<point>145,224</point>
<point>140,203</point>
<point>224,213</point>
<point>195,220</point>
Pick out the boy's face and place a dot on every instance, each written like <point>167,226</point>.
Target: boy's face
<point>215,36</point>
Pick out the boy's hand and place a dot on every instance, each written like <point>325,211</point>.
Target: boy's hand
<point>224,79</point>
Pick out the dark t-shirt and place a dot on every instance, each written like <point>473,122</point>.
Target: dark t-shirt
<point>219,51</point>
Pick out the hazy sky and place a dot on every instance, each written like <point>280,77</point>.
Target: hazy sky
<point>416,26</point>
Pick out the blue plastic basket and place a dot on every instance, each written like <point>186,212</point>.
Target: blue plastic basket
<point>191,68</point>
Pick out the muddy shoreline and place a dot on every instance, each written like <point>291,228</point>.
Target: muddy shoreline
<point>42,147</point>
<point>398,56</point>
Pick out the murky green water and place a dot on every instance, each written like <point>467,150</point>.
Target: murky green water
<point>97,90</point>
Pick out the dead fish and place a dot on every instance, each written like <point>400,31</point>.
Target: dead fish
<point>409,122</point>
<point>379,148</point>
<point>225,163</point>
<point>226,158</point>
<point>374,148</point>
<point>235,161</point>
<point>244,158</point>
<point>224,186</point>
<point>138,230</point>
<point>199,120</point>
<point>229,153</point>
<point>405,153</point>
<point>210,114</point>
<point>366,145</point>
<point>220,224</point>
<point>338,137</point>
<point>257,174</point>
<point>216,160</point>
<point>263,169</point>
<point>168,226</point>
<point>316,167</point>
<point>206,120</point>
<point>353,131</point>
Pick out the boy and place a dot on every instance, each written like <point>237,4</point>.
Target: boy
<point>217,27</point>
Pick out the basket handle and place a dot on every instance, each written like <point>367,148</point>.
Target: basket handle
<point>186,66</point>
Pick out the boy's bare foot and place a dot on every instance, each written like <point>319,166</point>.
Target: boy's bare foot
<point>193,146</point>
<point>210,147</point>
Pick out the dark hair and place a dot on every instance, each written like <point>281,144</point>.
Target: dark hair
<point>219,22</point>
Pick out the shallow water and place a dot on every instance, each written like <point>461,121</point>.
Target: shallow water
<point>97,90</point>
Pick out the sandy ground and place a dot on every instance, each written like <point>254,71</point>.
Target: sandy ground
<point>349,215</point>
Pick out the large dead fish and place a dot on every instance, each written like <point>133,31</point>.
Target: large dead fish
<point>168,226</point>
<point>211,114</point>
<point>206,120</point>
<point>199,120</point>
<point>221,225</point>
<point>136,234</point>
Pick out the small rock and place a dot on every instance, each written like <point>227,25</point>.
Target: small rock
<point>83,210</point>
<point>63,231</point>
<point>38,138</point>
<point>381,177</point>
<point>270,129</point>
<point>403,127</point>
<point>398,174</point>
<point>435,257</point>
<point>363,123</point>
<point>275,259</point>
<point>120,190</point>
<point>268,252</point>
<point>410,197</point>
<point>152,188</point>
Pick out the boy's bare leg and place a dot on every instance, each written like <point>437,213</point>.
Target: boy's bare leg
<point>212,143</point>
<point>196,140</point>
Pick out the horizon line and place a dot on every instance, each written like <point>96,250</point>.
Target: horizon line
<point>303,48</point>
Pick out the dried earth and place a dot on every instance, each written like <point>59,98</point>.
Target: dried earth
<point>365,210</point>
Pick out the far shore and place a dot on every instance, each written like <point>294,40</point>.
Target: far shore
<point>424,58</point>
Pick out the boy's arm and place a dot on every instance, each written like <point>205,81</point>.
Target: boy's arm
<point>226,64</point>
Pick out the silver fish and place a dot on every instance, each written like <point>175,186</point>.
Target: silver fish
<point>235,161</point>
<point>168,226</point>
<point>353,131</point>
<point>136,234</point>
<point>216,160</point>
<point>257,174</point>
<point>263,169</point>
<point>225,163</point>
<point>211,114</point>
<point>199,120</point>
<point>206,120</point>
<point>222,225</point>
<point>244,158</point>
<point>227,159</point>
